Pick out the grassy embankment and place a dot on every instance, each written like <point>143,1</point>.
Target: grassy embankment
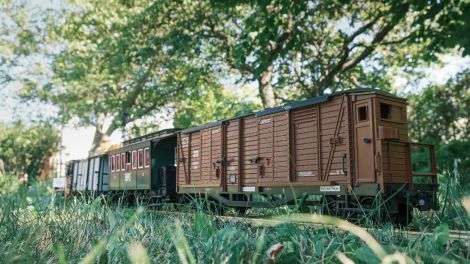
<point>36,226</point>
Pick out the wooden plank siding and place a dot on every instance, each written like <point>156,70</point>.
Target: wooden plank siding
<point>201,157</point>
<point>311,144</point>
<point>232,153</point>
<point>249,150</point>
<point>394,159</point>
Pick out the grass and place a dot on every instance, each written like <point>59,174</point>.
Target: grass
<point>37,226</point>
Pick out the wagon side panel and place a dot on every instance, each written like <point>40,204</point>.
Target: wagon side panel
<point>232,154</point>
<point>333,138</point>
<point>250,151</point>
<point>273,146</point>
<point>305,144</point>
<point>183,170</point>
<point>195,157</point>
<point>392,135</point>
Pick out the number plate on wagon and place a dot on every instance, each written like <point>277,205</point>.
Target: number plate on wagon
<point>335,188</point>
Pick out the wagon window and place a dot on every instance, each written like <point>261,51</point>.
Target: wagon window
<point>118,162</point>
<point>123,161</point>
<point>134,159</point>
<point>112,163</point>
<point>141,158</point>
<point>391,112</point>
<point>385,111</point>
<point>128,160</point>
<point>147,157</point>
<point>362,113</point>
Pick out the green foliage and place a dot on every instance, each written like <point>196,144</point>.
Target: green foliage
<point>454,157</point>
<point>450,29</point>
<point>209,105</point>
<point>441,113</point>
<point>38,226</point>
<point>119,62</point>
<point>25,149</point>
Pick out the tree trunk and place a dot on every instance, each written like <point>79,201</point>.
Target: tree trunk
<point>100,140</point>
<point>265,88</point>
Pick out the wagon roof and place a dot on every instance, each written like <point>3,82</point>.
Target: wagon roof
<point>322,99</point>
<point>297,104</point>
<point>152,136</point>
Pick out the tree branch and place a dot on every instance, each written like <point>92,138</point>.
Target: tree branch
<point>227,43</point>
<point>344,64</point>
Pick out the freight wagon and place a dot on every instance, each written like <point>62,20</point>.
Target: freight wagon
<point>338,153</point>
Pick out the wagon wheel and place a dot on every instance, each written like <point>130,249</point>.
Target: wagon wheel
<point>329,205</point>
<point>216,208</point>
<point>403,217</point>
<point>241,210</point>
<point>375,215</point>
<point>353,215</point>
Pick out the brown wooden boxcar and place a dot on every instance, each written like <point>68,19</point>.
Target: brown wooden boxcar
<point>348,144</point>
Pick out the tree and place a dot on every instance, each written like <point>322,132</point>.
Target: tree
<point>117,65</point>
<point>298,49</point>
<point>441,113</point>
<point>210,105</point>
<point>25,149</point>
<point>124,60</point>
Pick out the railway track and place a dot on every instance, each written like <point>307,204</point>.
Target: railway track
<point>454,235</point>
<point>414,234</point>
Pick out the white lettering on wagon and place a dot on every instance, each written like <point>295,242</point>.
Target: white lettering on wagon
<point>337,173</point>
<point>265,121</point>
<point>127,177</point>
<point>306,173</point>
<point>249,189</point>
<point>185,141</point>
<point>58,182</point>
<point>335,188</point>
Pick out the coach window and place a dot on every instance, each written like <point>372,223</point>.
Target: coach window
<point>128,160</point>
<point>118,162</point>
<point>147,157</point>
<point>134,159</point>
<point>362,113</point>
<point>123,162</point>
<point>141,158</point>
<point>112,163</point>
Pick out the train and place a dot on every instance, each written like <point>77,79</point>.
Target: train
<point>342,154</point>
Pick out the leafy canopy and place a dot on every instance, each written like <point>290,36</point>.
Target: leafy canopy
<point>26,149</point>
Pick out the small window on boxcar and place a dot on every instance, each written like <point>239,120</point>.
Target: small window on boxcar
<point>112,163</point>
<point>134,159</point>
<point>141,158</point>
<point>147,157</point>
<point>362,113</point>
<point>385,111</point>
<point>123,162</point>
<point>128,160</point>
